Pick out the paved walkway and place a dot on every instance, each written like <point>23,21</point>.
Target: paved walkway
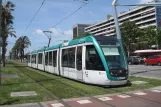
<point>143,98</point>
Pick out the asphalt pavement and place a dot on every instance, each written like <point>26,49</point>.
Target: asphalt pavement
<point>145,71</point>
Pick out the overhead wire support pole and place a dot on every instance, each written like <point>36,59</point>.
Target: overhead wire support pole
<point>115,3</point>
<point>48,36</point>
<point>148,4</point>
<point>116,19</point>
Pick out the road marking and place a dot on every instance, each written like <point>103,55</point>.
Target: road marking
<point>84,101</point>
<point>57,105</point>
<point>124,96</point>
<point>139,82</point>
<point>157,91</point>
<point>140,93</point>
<point>105,98</point>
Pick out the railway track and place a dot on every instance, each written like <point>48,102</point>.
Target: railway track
<point>91,97</point>
<point>48,91</point>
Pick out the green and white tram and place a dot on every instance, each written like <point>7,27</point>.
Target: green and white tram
<point>96,60</point>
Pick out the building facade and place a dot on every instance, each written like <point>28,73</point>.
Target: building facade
<point>79,29</point>
<point>142,16</point>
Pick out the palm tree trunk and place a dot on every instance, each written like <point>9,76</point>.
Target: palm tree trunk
<point>3,52</point>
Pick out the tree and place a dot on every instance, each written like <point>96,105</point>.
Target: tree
<point>109,16</point>
<point>153,36</point>
<point>23,42</point>
<point>130,32</point>
<point>7,29</point>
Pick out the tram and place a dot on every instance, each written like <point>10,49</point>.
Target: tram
<point>98,60</point>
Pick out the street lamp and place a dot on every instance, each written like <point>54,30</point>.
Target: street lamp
<point>48,35</point>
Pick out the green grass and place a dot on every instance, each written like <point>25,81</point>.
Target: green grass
<point>61,87</point>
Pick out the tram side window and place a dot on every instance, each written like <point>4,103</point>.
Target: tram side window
<point>40,58</point>
<point>28,58</point>
<point>46,58</point>
<point>50,58</point>
<point>54,58</point>
<point>35,58</point>
<point>93,61</point>
<point>31,58</point>
<point>79,58</point>
<point>71,57</point>
<point>65,58</point>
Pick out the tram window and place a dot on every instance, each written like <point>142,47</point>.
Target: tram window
<point>65,58</point>
<point>54,58</point>
<point>79,58</point>
<point>46,58</point>
<point>71,57</point>
<point>93,61</point>
<point>28,58</point>
<point>50,58</point>
<point>35,59</point>
<point>31,58</point>
<point>40,58</point>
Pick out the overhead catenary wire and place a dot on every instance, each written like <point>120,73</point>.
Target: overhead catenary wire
<point>35,15</point>
<point>84,4</point>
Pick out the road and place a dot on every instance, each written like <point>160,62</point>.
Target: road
<point>145,71</point>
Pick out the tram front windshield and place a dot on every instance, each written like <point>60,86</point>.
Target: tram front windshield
<point>114,55</point>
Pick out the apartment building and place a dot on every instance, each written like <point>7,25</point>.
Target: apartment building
<point>79,29</point>
<point>143,17</point>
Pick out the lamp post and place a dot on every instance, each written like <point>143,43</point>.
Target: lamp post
<point>48,35</point>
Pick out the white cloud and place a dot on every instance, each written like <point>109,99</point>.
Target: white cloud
<point>59,32</point>
<point>39,32</point>
<point>145,1</point>
<point>68,32</point>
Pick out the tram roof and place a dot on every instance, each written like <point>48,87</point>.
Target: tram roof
<point>53,47</point>
<point>78,41</point>
<point>42,49</point>
<point>86,39</point>
<point>34,52</point>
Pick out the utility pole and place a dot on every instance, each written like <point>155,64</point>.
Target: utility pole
<point>48,35</point>
<point>0,39</point>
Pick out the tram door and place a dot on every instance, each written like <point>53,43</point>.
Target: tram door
<point>79,63</point>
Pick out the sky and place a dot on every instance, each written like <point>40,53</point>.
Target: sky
<point>54,11</point>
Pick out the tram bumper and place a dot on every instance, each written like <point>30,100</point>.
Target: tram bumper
<point>120,82</point>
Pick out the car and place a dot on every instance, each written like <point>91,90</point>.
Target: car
<point>133,60</point>
<point>153,60</point>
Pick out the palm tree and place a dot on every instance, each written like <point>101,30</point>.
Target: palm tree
<point>23,43</point>
<point>7,29</point>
